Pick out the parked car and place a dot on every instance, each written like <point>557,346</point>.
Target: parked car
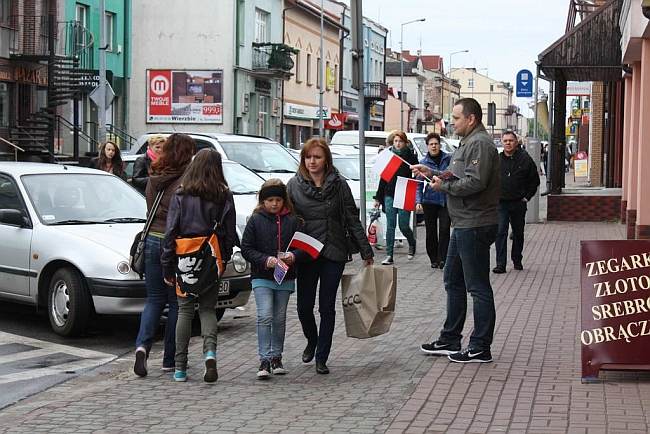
<point>347,142</point>
<point>66,233</point>
<point>265,157</point>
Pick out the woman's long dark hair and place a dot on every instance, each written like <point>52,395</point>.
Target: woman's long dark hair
<point>116,162</point>
<point>176,154</point>
<point>204,177</point>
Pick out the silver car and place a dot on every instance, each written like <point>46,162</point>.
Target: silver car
<point>66,233</point>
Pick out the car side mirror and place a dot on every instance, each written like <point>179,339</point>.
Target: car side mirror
<point>12,217</point>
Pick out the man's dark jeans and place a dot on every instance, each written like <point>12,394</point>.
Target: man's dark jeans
<point>511,213</point>
<point>467,269</point>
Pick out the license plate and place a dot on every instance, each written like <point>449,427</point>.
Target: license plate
<point>224,287</point>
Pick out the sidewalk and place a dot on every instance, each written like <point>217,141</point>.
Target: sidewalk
<point>381,384</point>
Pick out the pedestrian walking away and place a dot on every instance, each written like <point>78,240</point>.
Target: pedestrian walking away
<point>323,200</point>
<point>434,205</point>
<point>264,244</point>
<point>109,160</point>
<point>519,182</point>
<point>142,165</point>
<point>384,197</point>
<point>472,196</point>
<point>166,175</point>
<point>201,211</point>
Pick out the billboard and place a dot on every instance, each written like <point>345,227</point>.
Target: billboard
<point>185,96</point>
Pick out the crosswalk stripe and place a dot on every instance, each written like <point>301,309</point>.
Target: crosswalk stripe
<point>8,338</point>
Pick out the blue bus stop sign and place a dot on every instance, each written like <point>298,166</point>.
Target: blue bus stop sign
<point>524,84</point>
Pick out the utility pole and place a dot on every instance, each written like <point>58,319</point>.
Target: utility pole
<point>101,107</point>
<point>356,13</point>
<point>321,121</point>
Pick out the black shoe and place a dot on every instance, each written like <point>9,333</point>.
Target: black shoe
<point>499,269</point>
<point>434,265</point>
<point>308,354</point>
<point>411,254</point>
<point>265,370</point>
<point>469,355</point>
<point>276,366</point>
<point>321,367</point>
<point>442,264</point>
<point>438,348</point>
<point>140,365</point>
<point>518,266</point>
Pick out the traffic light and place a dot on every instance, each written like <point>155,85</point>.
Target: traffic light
<point>492,114</point>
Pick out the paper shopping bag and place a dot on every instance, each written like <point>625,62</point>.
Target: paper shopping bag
<point>368,301</point>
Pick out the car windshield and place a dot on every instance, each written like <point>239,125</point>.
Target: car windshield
<point>261,156</point>
<point>80,198</point>
<point>349,167</point>
<point>240,179</point>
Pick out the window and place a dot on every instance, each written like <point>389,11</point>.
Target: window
<point>470,83</point>
<point>261,25</point>
<point>4,105</point>
<point>9,195</point>
<point>319,81</point>
<point>5,12</point>
<point>262,120</point>
<point>298,79</point>
<point>109,29</point>
<point>336,78</point>
<point>328,76</point>
<point>309,82</point>
<point>81,16</point>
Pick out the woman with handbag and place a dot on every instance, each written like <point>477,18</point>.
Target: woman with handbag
<point>166,175</point>
<point>323,200</point>
<point>202,211</point>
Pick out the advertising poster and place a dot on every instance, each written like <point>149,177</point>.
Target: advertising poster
<point>184,96</point>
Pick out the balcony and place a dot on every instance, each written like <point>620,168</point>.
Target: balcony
<point>273,60</point>
<point>375,91</point>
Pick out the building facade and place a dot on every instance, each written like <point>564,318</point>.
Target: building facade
<point>412,77</point>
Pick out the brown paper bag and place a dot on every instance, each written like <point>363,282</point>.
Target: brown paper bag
<point>368,300</point>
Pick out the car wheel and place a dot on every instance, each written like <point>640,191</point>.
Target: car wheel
<point>68,302</point>
<point>220,313</point>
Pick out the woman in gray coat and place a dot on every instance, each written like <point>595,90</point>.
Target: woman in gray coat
<point>323,199</point>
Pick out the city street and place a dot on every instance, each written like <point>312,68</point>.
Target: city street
<point>380,384</point>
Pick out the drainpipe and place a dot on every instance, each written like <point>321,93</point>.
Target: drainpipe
<point>341,57</point>
<point>282,138</point>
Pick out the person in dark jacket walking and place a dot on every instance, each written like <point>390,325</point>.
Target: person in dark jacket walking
<point>519,182</point>
<point>166,175</point>
<point>434,205</point>
<point>384,197</point>
<point>142,165</point>
<point>323,200</point>
<point>266,238</point>
<point>201,201</point>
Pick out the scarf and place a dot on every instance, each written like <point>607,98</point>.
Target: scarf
<point>152,155</point>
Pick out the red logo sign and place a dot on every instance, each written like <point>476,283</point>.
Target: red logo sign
<point>336,122</point>
<point>160,92</point>
<point>581,155</point>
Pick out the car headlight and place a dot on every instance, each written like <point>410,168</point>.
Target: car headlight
<point>123,267</point>
<point>238,262</point>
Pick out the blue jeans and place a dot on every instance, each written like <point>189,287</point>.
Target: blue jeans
<point>467,269</point>
<point>158,295</point>
<point>309,273</point>
<point>511,213</point>
<point>393,215</point>
<point>271,321</point>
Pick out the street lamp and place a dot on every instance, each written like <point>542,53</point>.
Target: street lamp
<point>401,71</point>
<point>450,101</point>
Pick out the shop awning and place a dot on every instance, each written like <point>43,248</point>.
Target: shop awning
<point>590,51</point>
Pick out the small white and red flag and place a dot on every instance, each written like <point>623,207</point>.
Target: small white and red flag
<point>393,92</point>
<point>307,244</point>
<point>386,165</point>
<point>405,192</point>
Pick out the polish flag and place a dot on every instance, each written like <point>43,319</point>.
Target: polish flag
<point>386,165</point>
<point>405,191</point>
<point>306,243</point>
<point>393,92</point>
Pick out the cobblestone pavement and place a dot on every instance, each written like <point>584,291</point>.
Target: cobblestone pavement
<point>385,383</point>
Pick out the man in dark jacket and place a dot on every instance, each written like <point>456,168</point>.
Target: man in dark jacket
<point>472,188</point>
<point>519,182</point>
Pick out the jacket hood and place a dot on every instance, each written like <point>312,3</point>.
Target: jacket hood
<point>160,182</point>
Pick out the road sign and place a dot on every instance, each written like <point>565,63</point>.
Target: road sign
<point>524,84</point>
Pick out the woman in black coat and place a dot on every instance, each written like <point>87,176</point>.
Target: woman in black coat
<point>142,165</point>
<point>323,199</point>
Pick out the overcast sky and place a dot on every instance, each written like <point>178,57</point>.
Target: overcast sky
<point>503,36</point>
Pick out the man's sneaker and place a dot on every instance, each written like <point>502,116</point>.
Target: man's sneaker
<point>411,254</point>
<point>499,269</point>
<point>140,365</point>
<point>276,366</point>
<point>438,348</point>
<point>180,376</point>
<point>265,370</point>
<point>469,355</point>
<point>210,375</point>
<point>387,261</point>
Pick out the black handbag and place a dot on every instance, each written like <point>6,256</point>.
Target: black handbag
<point>351,242</point>
<point>137,247</point>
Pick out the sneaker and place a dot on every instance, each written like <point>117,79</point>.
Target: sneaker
<point>469,355</point>
<point>180,376</point>
<point>265,370</point>
<point>140,365</point>
<point>499,269</point>
<point>438,348</point>
<point>387,261</point>
<point>442,265</point>
<point>210,375</point>
<point>434,265</point>
<point>276,366</point>
<point>411,254</point>
<point>518,266</point>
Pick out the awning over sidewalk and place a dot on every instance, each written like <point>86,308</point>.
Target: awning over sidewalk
<point>591,51</point>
